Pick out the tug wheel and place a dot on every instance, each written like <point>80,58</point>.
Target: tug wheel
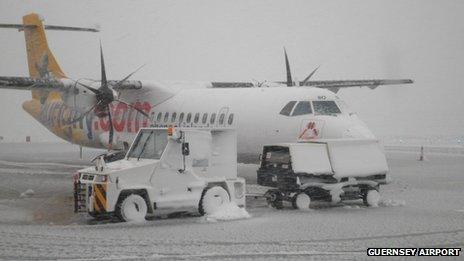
<point>371,198</point>
<point>301,201</point>
<point>274,199</point>
<point>132,209</point>
<point>212,199</point>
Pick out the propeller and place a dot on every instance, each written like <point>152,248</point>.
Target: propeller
<point>290,82</point>
<point>105,95</point>
<point>289,73</point>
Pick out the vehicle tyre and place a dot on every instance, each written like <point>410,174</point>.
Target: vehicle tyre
<point>212,199</point>
<point>371,198</point>
<point>133,208</point>
<point>301,201</point>
<point>274,199</point>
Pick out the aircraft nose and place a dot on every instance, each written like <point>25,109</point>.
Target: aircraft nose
<point>346,128</point>
<point>358,131</point>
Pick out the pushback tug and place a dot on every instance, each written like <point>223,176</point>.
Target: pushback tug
<point>165,171</point>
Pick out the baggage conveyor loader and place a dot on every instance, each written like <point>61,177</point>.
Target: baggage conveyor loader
<point>323,170</point>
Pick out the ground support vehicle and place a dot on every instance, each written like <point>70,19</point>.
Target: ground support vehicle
<point>323,170</point>
<point>165,171</point>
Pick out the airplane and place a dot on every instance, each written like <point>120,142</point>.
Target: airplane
<point>108,113</point>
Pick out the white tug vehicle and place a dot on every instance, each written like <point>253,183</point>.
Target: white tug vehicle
<point>165,171</point>
<point>323,170</point>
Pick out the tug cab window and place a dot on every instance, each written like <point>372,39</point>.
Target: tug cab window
<point>158,118</point>
<point>302,108</point>
<point>149,144</point>
<point>287,109</point>
<point>326,108</point>
<point>181,117</point>
<point>166,117</point>
<point>189,117</point>
<point>196,118</point>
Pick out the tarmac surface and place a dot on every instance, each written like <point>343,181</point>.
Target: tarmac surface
<point>422,207</point>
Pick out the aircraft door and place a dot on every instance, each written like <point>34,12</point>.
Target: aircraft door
<point>171,179</point>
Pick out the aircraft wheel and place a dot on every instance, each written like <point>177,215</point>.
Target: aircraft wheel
<point>132,209</point>
<point>301,201</point>
<point>371,198</point>
<point>212,199</point>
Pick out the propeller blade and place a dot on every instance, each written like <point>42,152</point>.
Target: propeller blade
<point>104,83</point>
<point>111,132</point>
<point>309,76</point>
<point>289,73</point>
<point>133,107</point>
<point>128,76</point>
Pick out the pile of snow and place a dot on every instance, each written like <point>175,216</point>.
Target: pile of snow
<point>228,211</point>
<point>26,194</point>
<point>373,198</point>
<point>392,203</point>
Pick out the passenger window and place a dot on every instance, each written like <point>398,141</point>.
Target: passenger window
<point>205,118</point>
<point>213,118</point>
<point>158,118</point>
<point>221,118</point>
<point>173,117</point>
<point>326,107</point>
<point>189,117</point>
<point>287,109</point>
<point>152,116</point>
<point>196,118</point>
<point>302,108</point>
<point>231,119</point>
<point>181,117</point>
<point>166,116</point>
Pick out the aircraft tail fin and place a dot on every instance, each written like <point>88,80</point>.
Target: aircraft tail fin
<point>41,61</point>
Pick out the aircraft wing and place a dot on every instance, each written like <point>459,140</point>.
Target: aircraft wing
<point>336,85</point>
<point>27,83</point>
<point>333,86</point>
<point>232,84</point>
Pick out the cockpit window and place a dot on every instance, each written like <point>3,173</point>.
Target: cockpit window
<point>303,107</point>
<point>326,107</point>
<point>287,109</point>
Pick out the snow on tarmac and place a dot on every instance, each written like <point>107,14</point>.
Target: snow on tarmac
<point>228,211</point>
<point>422,207</point>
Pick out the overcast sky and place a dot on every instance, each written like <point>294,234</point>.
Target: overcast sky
<point>243,40</point>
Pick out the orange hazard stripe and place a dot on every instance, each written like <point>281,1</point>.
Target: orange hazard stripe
<point>100,197</point>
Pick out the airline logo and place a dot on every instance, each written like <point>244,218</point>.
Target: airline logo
<point>310,130</point>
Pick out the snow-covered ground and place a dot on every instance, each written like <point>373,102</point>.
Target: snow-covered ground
<point>422,207</point>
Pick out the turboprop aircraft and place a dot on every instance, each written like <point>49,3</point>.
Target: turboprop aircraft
<point>108,113</point>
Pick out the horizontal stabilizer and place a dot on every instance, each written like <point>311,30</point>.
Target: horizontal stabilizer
<point>28,83</point>
<point>21,27</point>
